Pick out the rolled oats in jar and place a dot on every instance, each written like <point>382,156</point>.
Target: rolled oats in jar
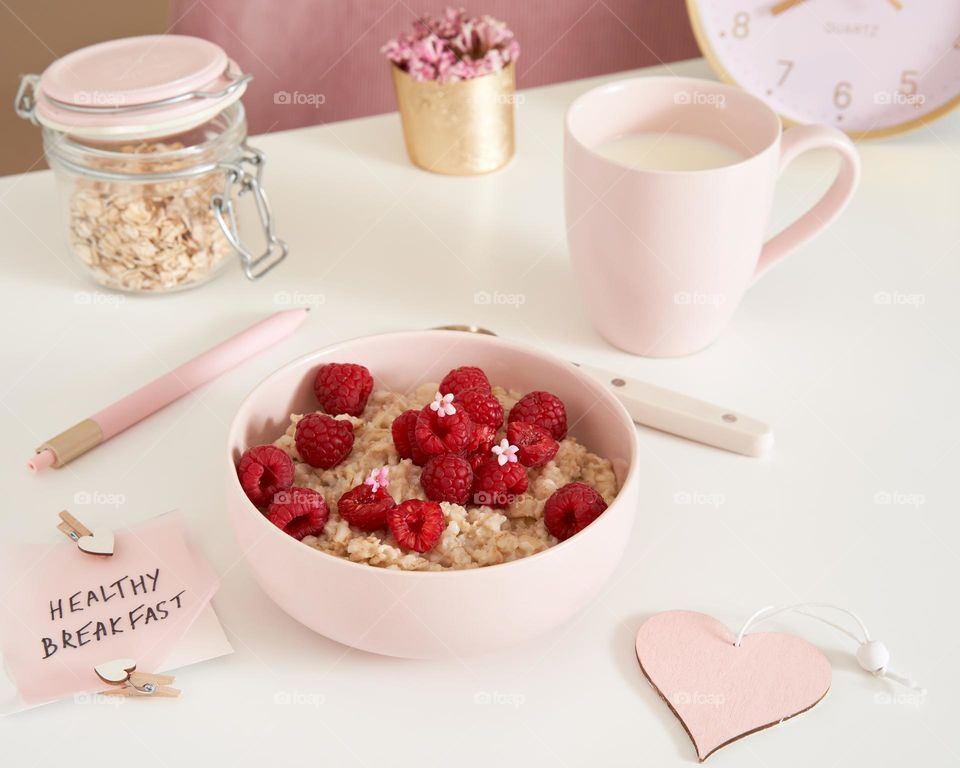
<point>147,137</point>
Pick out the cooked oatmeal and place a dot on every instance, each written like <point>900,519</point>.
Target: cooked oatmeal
<point>475,535</point>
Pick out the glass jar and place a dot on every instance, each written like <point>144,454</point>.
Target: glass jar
<point>148,188</point>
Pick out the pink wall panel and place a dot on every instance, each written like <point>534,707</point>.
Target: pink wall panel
<point>327,51</point>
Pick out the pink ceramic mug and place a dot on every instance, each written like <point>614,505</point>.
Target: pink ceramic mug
<point>664,257</point>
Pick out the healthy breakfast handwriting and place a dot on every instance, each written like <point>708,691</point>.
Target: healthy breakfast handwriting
<point>94,631</point>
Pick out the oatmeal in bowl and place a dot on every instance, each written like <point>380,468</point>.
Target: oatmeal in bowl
<point>455,474</point>
<point>412,496</point>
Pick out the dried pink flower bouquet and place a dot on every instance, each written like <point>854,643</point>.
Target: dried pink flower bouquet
<point>453,47</point>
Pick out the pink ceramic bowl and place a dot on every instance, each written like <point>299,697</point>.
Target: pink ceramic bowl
<point>435,614</point>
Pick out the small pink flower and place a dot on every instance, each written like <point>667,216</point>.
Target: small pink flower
<point>505,453</point>
<point>443,405</point>
<point>378,478</point>
<point>453,47</point>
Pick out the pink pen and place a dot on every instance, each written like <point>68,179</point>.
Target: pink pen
<point>136,406</point>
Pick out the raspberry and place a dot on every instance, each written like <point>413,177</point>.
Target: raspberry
<point>416,524</point>
<point>447,477</point>
<point>536,445</point>
<point>482,407</point>
<point>419,457</point>
<point>299,512</point>
<point>402,431</point>
<point>405,438</point>
<point>365,508</point>
<point>263,470</point>
<point>571,509</point>
<point>483,439</point>
<point>343,388</point>
<point>495,485</point>
<point>464,378</point>
<point>443,434</point>
<point>479,450</point>
<point>544,410</point>
<point>323,441</point>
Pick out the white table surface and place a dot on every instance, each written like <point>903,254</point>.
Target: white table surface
<point>861,394</point>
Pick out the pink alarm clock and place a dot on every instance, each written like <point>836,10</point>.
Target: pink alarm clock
<point>867,67</point>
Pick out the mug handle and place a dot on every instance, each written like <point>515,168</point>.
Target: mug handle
<point>796,141</point>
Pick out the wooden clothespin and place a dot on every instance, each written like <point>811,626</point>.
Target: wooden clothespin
<point>141,684</point>
<point>98,542</point>
<point>122,674</point>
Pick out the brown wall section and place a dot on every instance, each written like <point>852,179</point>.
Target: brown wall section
<point>35,32</point>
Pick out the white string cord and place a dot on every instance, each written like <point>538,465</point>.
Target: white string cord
<point>772,610</point>
<point>872,655</point>
<point>829,623</point>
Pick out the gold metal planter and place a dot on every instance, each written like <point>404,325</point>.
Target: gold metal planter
<point>462,128</point>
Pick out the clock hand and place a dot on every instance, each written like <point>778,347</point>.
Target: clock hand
<point>786,5</point>
<point>896,4</point>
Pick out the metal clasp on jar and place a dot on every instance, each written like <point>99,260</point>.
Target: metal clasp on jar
<point>238,174</point>
<point>25,102</point>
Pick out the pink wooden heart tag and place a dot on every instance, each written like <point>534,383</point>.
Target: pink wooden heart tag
<point>721,692</point>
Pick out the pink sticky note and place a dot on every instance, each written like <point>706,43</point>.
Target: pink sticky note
<point>63,611</point>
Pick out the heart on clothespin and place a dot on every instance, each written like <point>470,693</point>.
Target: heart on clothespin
<point>720,691</point>
<point>115,672</point>
<point>100,542</point>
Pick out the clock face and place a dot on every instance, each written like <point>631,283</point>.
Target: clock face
<point>868,67</point>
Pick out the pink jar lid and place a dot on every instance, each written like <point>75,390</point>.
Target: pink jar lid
<point>138,87</point>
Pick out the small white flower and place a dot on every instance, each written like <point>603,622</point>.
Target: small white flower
<point>505,453</point>
<point>443,405</point>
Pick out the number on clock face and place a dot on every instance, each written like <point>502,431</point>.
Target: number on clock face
<point>864,66</point>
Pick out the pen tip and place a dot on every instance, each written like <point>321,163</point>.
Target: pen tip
<point>41,461</point>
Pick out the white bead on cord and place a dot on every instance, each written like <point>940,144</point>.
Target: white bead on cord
<point>872,655</point>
